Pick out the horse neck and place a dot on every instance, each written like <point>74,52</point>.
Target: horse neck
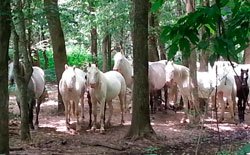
<point>126,70</point>
<point>178,74</point>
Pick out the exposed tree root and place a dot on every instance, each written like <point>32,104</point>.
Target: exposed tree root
<point>16,149</point>
<point>107,145</point>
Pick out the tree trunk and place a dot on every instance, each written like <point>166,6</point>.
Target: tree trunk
<point>247,55</point>
<point>180,13</point>
<point>94,45</point>
<point>22,79</point>
<point>204,56</point>
<point>29,42</point>
<point>104,53</point>
<point>109,52</point>
<point>44,50</point>
<point>152,41</point>
<point>190,6</point>
<point>5,31</point>
<point>58,42</point>
<point>140,125</point>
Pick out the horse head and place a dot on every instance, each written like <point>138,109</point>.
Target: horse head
<point>69,76</point>
<point>93,75</point>
<point>118,60</point>
<point>244,77</point>
<point>169,72</point>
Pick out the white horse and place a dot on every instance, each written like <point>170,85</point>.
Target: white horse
<point>36,90</point>
<point>72,88</point>
<point>104,88</point>
<point>226,87</point>
<point>206,85</point>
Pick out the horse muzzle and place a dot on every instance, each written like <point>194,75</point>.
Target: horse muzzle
<point>116,69</point>
<point>92,85</point>
<point>70,89</point>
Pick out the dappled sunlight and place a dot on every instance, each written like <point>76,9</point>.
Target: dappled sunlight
<point>49,103</point>
<point>59,125</point>
<point>222,127</point>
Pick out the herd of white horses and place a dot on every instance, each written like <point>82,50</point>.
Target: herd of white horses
<point>226,79</point>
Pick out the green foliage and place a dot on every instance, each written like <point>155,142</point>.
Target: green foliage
<point>230,40</point>
<point>151,151</point>
<point>244,150</point>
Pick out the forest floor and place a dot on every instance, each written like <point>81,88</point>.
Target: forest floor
<point>52,138</point>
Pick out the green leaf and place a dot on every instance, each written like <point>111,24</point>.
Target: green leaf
<point>203,44</point>
<point>156,6</point>
<point>223,3</point>
<point>172,51</point>
<point>211,29</point>
<point>184,45</point>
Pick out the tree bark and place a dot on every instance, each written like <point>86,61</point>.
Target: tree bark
<point>94,44</point>
<point>104,53</point>
<point>152,41</point>
<point>93,36</point>
<point>247,55</point>
<point>109,52</point>
<point>190,7</point>
<point>180,13</point>
<point>58,42</point>
<point>204,55</point>
<point>5,31</point>
<point>22,79</point>
<point>140,125</point>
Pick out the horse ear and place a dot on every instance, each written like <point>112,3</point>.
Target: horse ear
<point>66,66</point>
<point>89,64</point>
<point>74,67</point>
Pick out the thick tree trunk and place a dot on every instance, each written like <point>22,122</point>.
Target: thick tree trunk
<point>5,31</point>
<point>22,79</point>
<point>190,6</point>
<point>58,42</point>
<point>140,125</point>
<point>152,41</point>
<point>104,53</point>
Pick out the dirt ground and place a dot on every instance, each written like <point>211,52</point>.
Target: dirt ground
<point>52,138</point>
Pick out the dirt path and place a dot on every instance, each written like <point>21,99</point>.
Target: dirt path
<point>52,137</point>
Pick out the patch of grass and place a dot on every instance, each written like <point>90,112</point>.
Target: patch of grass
<point>152,151</point>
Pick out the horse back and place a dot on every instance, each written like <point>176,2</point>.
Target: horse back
<point>37,81</point>
<point>115,84</point>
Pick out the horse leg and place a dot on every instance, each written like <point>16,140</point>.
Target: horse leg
<point>31,107</point>
<point>78,125</point>
<point>67,105</point>
<point>231,105</point>
<point>110,112</point>
<point>185,102</point>
<point>37,111</point>
<point>122,98</point>
<point>82,108</point>
<point>102,103</point>
<point>223,104</point>
<point>94,103</point>
<point>240,109</point>
<point>166,97</point>
<point>151,103</point>
<point>90,109</point>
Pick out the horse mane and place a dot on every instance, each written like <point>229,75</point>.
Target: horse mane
<point>181,71</point>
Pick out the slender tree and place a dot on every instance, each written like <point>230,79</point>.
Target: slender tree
<point>247,55</point>
<point>93,35</point>
<point>140,126</point>
<point>58,42</point>
<point>5,31</point>
<point>190,7</point>
<point>22,76</point>
<point>204,55</point>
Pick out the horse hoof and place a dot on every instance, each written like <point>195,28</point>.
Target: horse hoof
<point>102,131</point>
<point>183,121</point>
